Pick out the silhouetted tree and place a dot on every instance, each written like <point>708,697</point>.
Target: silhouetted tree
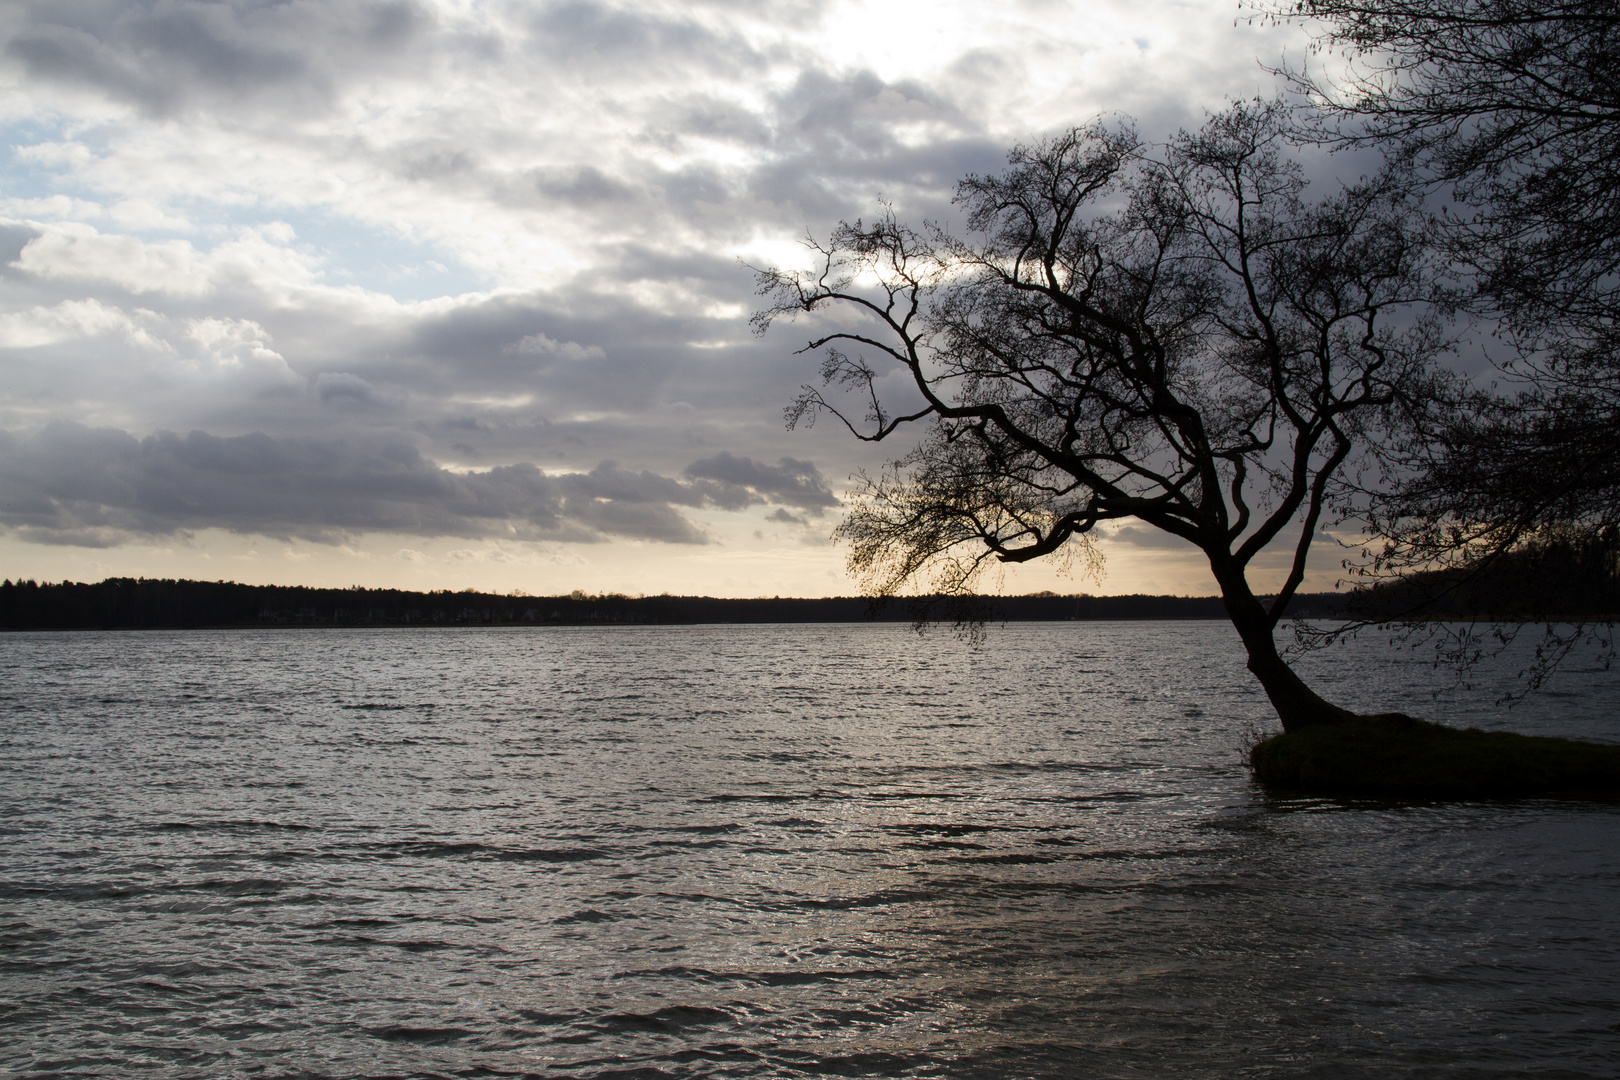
<point>1512,109</point>
<point>1173,334</point>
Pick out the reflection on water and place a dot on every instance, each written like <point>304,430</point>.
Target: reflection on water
<point>765,851</point>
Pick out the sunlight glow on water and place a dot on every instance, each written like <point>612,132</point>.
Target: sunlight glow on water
<point>765,851</point>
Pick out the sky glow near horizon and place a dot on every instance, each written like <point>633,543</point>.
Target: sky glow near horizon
<point>449,293</point>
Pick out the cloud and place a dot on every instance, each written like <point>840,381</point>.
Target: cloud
<point>542,346</point>
<point>166,57</point>
<point>1146,537</point>
<point>80,253</point>
<point>359,240</point>
<point>67,321</point>
<point>344,390</point>
<point>581,185</point>
<point>735,482</point>
<point>72,484</point>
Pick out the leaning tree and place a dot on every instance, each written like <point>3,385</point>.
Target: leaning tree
<point>1173,334</point>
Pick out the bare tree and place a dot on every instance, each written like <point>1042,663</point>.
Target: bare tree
<point>1512,110</point>
<point>1173,334</point>
<point>1512,105</point>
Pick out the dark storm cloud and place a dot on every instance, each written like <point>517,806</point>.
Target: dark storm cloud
<point>70,484</point>
<point>163,55</point>
<point>836,140</point>
<point>344,390</point>
<point>784,516</point>
<point>855,111</point>
<point>709,117</point>
<point>789,483</point>
<point>582,349</point>
<point>580,186</point>
<point>704,271</point>
<point>13,238</point>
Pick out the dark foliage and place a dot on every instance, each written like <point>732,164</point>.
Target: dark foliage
<point>128,603</point>
<point>1515,107</point>
<point>1572,579</point>
<point>1512,110</point>
<point>1173,334</point>
<point>1396,756</point>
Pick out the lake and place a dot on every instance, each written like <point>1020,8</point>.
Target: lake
<point>751,851</point>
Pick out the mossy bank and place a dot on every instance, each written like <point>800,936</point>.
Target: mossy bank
<point>1397,756</point>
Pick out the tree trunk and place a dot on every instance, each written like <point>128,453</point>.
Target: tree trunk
<point>1297,705</point>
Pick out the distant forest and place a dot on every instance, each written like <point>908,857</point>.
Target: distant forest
<point>1568,584</point>
<point>129,603</point>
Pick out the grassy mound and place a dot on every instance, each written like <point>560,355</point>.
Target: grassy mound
<point>1394,755</point>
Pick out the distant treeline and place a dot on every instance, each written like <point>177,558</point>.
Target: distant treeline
<point>1565,580</point>
<point>129,603</point>
<point>1554,582</point>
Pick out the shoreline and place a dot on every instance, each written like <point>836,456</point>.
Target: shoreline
<point>1396,756</point>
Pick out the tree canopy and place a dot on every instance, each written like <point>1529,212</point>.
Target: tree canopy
<point>1514,107</point>
<point>1511,110</point>
<point>1176,334</point>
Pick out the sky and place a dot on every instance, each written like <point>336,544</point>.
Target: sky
<point>455,293</point>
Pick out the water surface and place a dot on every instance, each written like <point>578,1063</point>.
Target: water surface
<point>765,851</point>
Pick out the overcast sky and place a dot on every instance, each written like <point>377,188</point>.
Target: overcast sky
<point>446,293</point>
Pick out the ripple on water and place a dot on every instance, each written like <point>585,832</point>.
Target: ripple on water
<point>746,851</point>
